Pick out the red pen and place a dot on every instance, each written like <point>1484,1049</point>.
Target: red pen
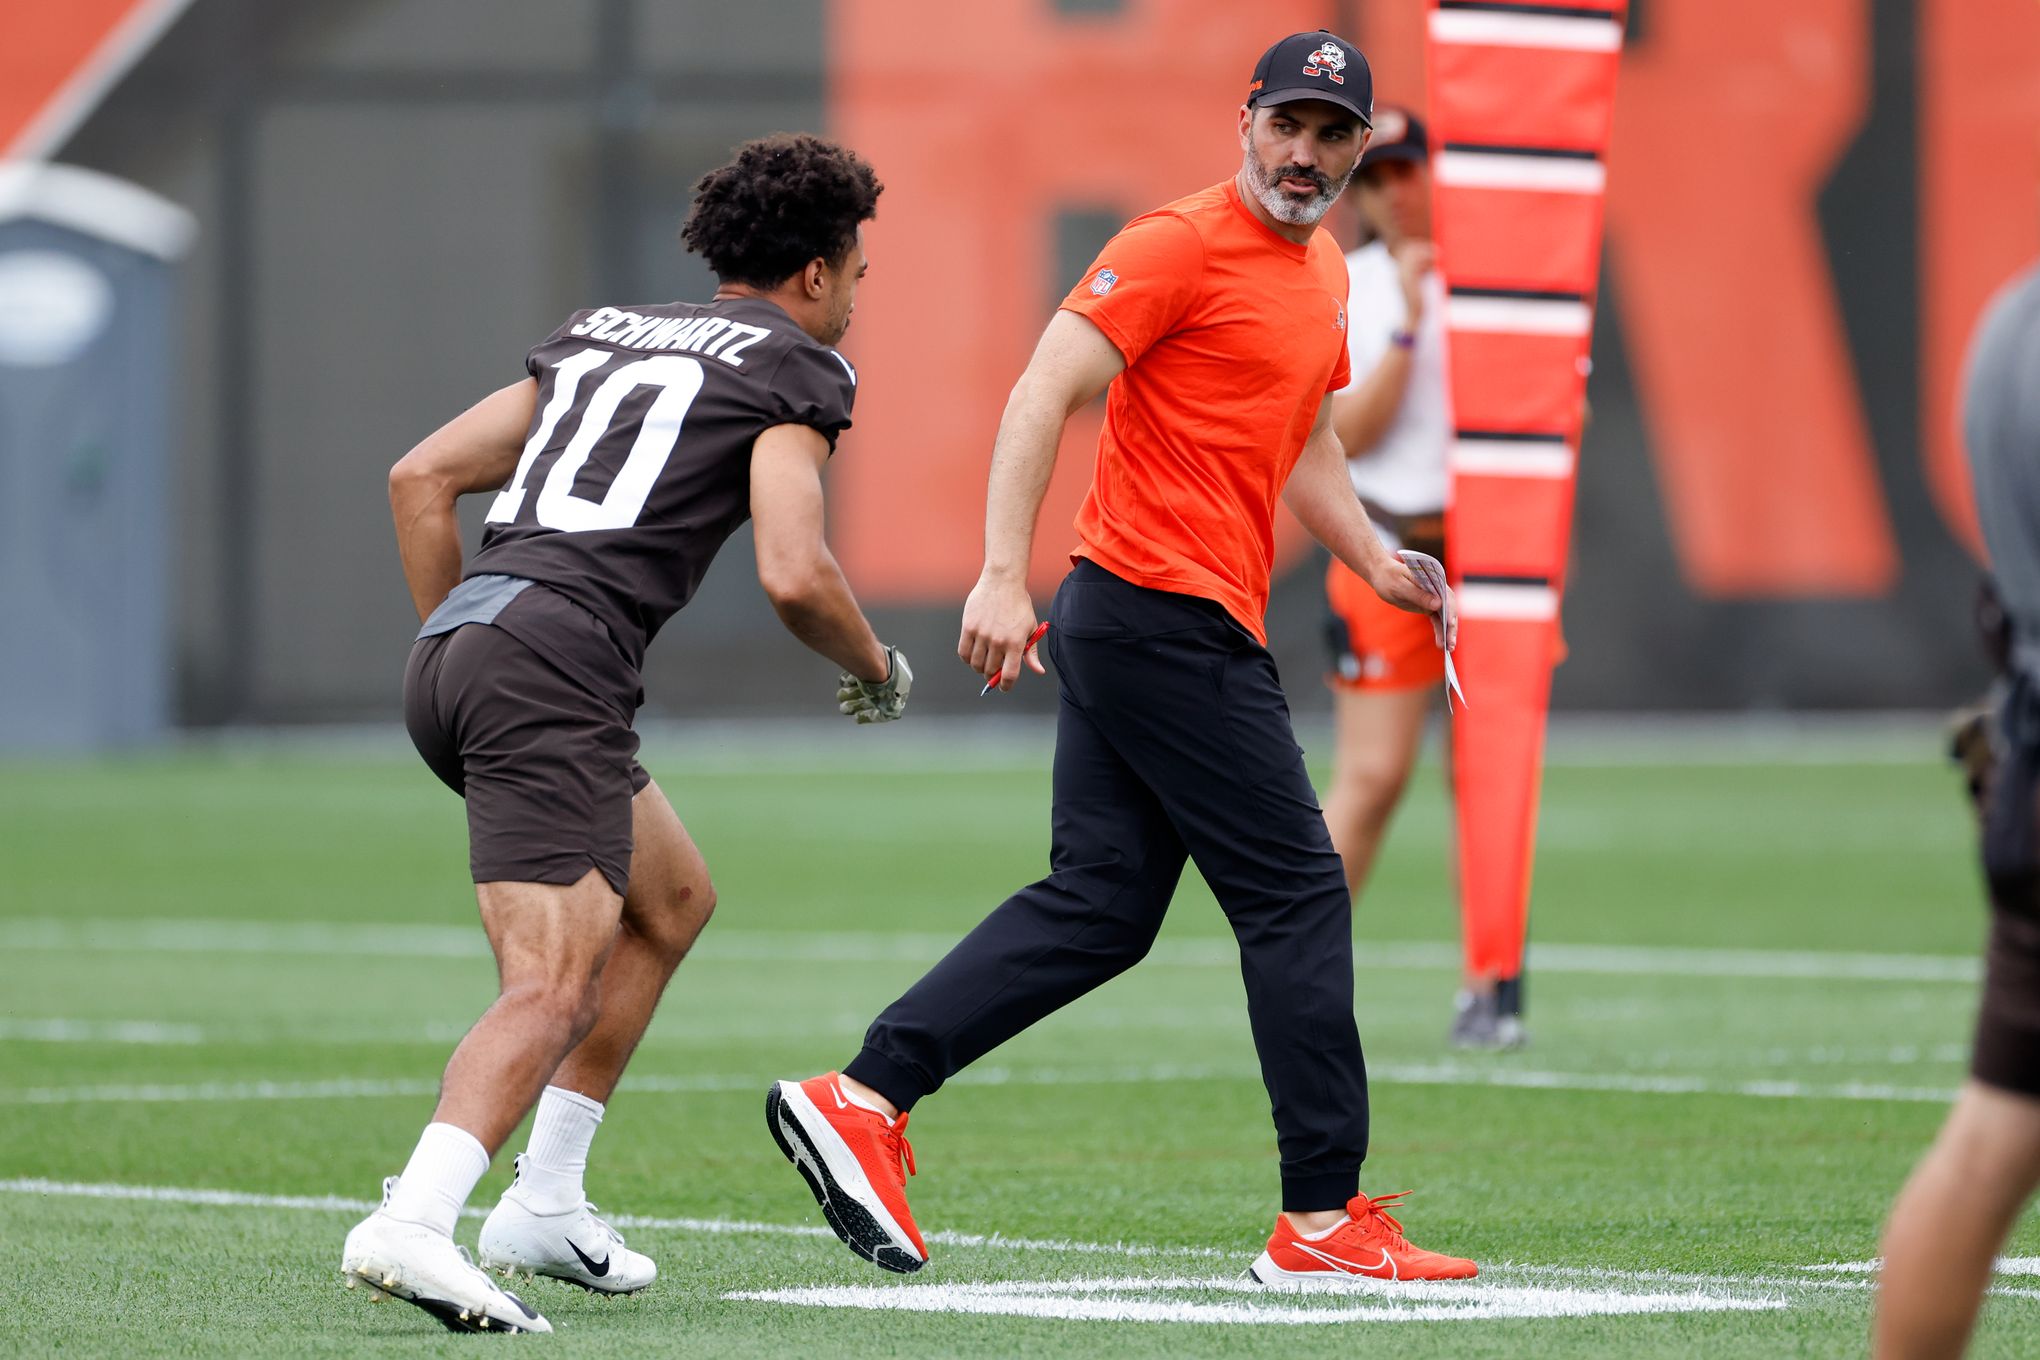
<point>1040,632</point>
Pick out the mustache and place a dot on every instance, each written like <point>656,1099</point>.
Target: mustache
<point>1318,178</point>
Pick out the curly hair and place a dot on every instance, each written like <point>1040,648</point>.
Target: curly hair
<point>781,201</point>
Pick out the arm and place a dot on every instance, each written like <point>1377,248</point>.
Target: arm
<point>1362,416</point>
<point>1073,363</point>
<point>795,566</point>
<point>1321,496</point>
<point>475,451</point>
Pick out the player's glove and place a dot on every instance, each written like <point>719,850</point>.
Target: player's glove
<point>877,701</point>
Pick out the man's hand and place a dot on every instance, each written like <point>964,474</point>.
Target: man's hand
<point>1413,260</point>
<point>998,618</point>
<point>1406,586</point>
<point>877,701</point>
<point>1430,573</point>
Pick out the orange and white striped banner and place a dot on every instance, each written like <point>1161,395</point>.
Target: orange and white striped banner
<point>1521,102</point>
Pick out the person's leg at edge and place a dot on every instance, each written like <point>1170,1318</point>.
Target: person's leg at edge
<point>550,943</point>
<point>1950,1220</point>
<point>669,901</point>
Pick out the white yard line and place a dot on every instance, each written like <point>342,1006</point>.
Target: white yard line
<point>165,1194</point>
<point>1164,1301</point>
<point>1666,1283</point>
<point>1391,1074</point>
<point>322,939</point>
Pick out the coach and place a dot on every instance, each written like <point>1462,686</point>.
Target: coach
<point>1218,322</point>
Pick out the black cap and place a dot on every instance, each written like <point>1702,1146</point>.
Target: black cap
<point>1399,135</point>
<point>1314,65</point>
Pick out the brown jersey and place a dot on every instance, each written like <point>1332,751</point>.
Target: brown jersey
<point>637,467</point>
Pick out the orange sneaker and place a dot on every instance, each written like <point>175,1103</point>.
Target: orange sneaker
<point>851,1157</point>
<point>1368,1245</point>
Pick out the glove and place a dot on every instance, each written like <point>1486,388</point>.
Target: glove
<point>877,701</point>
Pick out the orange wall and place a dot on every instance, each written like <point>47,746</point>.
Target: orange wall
<point>1023,111</point>
<point>1731,117</point>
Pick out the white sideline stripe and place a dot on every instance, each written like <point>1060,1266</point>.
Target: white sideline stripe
<point>2004,1265</point>
<point>1509,458</point>
<point>1518,316</point>
<point>1391,1074</point>
<point>1567,32</point>
<point>1133,1300</point>
<point>100,1032</point>
<point>1485,600</point>
<point>399,940</point>
<point>1498,170</point>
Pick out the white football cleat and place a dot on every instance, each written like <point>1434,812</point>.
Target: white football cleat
<point>411,1262</point>
<point>573,1245</point>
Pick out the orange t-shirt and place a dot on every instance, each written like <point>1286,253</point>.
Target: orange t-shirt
<point>1232,337</point>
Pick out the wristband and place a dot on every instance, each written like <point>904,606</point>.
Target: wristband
<point>1403,339</point>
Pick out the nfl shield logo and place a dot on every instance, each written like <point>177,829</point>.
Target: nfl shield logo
<point>1103,283</point>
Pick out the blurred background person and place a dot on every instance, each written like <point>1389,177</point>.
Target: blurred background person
<point>1395,421</point>
<point>1962,1200</point>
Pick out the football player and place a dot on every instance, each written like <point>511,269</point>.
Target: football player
<point>640,438</point>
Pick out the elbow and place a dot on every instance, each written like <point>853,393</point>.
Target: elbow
<point>411,479</point>
<point>791,585</point>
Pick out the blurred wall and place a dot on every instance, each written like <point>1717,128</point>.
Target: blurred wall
<point>1807,205</point>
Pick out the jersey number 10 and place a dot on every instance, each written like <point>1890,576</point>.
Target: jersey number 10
<point>679,381</point>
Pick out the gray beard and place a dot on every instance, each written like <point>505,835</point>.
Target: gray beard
<point>1284,208</point>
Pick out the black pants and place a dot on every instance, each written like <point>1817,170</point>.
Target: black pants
<point>2007,1049</point>
<point>1173,740</point>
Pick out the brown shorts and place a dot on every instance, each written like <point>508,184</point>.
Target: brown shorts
<point>548,767</point>
<point>2008,1026</point>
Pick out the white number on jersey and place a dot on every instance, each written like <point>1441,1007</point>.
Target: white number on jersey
<point>679,381</point>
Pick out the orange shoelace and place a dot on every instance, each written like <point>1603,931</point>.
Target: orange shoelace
<point>1361,1209</point>
<point>896,1143</point>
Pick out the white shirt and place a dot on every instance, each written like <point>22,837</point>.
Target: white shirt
<point>1405,471</point>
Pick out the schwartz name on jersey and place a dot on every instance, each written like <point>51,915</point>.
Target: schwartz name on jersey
<point>637,466</point>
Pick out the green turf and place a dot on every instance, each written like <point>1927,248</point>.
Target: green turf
<point>1133,1116</point>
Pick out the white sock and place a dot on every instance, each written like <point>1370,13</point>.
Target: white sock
<point>549,1181</point>
<point>860,1102</point>
<point>439,1178</point>
<point>1322,1234</point>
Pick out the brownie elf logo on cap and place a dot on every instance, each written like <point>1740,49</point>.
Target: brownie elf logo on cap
<point>1328,60</point>
<point>1314,65</point>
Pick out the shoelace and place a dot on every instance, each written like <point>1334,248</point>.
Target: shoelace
<point>603,1223</point>
<point>895,1138</point>
<point>467,1256</point>
<point>1360,1209</point>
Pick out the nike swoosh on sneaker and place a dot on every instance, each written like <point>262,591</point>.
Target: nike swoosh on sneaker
<point>1337,1263</point>
<point>595,1268</point>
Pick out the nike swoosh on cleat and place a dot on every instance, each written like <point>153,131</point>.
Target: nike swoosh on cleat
<point>1350,1267</point>
<point>595,1268</point>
